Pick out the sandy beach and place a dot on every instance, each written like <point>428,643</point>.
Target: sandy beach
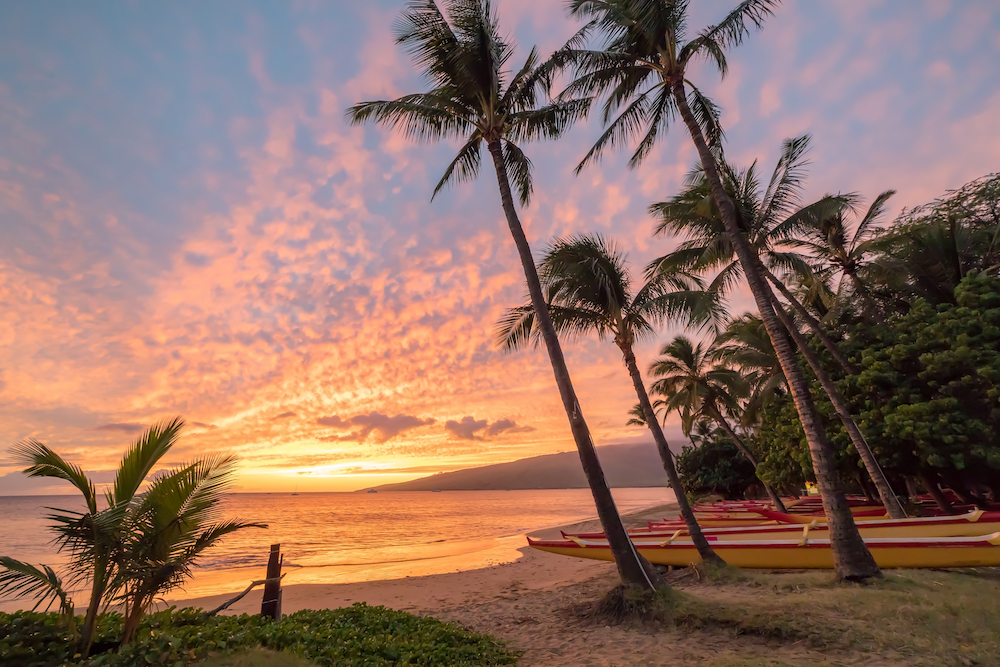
<point>529,603</point>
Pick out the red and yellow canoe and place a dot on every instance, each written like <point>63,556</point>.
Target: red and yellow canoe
<point>808,553</point>
<point>963,525</point>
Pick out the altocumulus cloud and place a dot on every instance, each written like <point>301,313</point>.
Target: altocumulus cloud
<point>383,426</point>
<point>468,427</point>
<point>124,427</point>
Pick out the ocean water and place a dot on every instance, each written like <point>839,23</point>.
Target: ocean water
<point>347,537</point>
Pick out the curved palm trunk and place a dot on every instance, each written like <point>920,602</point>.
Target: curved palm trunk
<point>633,569</point>
<point>705,550</point>
<point>851,557</point>
<point>888,498</point>
<point>813,324</point>
<point>721,420</point>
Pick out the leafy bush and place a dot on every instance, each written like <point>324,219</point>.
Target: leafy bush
<point>357,635</point>
<point>716,467</point>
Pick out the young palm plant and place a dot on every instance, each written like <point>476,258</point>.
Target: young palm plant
<point>768,218</point>
<point>170,526</point>
<point>101,541</point>
<point>588,290</point>
<point>476,99</point>
<point>643,67</point>
<point>691,380</point>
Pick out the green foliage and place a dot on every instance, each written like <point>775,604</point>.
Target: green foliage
<point>931,383</point>
<point>357,635</point>
<point>927,397</point>
<point>715,467</point>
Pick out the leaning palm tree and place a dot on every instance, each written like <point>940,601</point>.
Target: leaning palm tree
<point>643,66</point>
<point>691,380</point>
<point>588,290</point>
<point>769,217</point>
<point>475,98</point>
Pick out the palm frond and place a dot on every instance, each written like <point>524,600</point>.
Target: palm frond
<point>465,166</point>
<point>519,171</point>
<point>23,580</point>
<point>730,31</point>
<point>43,462</point>
<point>141,457</point>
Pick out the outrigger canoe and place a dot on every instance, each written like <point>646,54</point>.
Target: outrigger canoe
<point>964,525</point>
<point>916,552</point>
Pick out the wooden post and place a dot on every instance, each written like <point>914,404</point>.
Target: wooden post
<point>270,606</point>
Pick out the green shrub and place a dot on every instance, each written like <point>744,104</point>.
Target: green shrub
<point>357,635</point>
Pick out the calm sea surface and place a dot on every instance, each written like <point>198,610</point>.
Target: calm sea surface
<point>348,537</point>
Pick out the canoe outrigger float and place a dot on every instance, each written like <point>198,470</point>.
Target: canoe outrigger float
<point>802,553</point>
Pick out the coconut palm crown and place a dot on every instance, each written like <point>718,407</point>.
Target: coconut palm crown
<point>474,97</point>
<point>643,64</point>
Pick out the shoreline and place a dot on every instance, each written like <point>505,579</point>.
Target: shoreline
<point>431,594</point>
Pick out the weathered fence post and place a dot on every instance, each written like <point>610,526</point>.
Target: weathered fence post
<point>271,604</point>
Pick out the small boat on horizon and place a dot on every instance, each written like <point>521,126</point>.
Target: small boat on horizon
<point>436,491</point>
<point>372,491</point>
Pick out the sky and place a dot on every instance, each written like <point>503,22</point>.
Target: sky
<point>188,226</point>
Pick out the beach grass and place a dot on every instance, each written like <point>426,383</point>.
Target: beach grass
<point>920,617</point>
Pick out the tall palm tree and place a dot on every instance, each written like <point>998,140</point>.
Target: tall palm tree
<point>475,98</point>
<point>768,217</point>
<point>691,379</point>
<point>588,289</point>
<point>643,66</point>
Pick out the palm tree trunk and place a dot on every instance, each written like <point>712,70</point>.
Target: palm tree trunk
<point>721,420</point>
<point>93,609</point>
<point>132,619</point>
<point>889,499</point>
<point>851,557</point>
<point>813,324</point>
<point>633,569</point>
<point>932,488</point>
<point>705,550</point>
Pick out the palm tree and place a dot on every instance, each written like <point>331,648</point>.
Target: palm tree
<point>644,65</point>
<point>102,543</point>
<point>744,343</point>
<point>170,526</point>
<point>476,99</point>
<point>92,537</point>
<point>691,380</point>
<point>767,218</point>
<point>587,283</point>
<point>841,256</point>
